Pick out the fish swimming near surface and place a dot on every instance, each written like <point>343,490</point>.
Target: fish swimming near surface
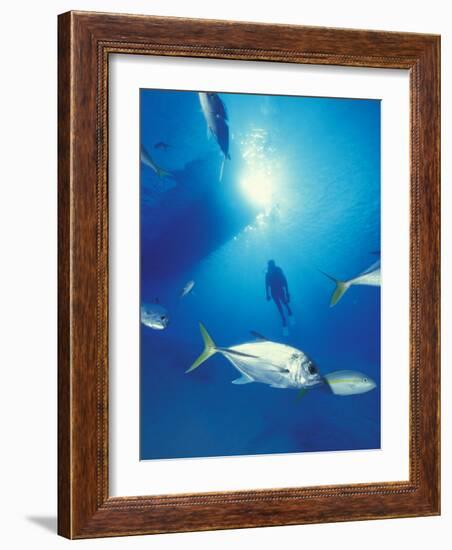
<point>349,382</point>
<point>371,277</point>
<point>187,289</point>
<point>154,316</point>
<point>161,145</point>
<point>216,118</point>
<point>264,361</point>
<point>150,162</point>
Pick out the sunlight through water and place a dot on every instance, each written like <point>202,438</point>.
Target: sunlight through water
<point>258,180</point>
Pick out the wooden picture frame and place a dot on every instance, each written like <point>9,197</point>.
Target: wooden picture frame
<point>86,40</point>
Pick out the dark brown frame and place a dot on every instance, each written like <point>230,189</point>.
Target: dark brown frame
<point>84,44</point>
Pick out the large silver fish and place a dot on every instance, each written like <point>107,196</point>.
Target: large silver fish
<point>278,365</point>
<point>150,162</point>
<point>154,316</point>
<point>349,382</point>
<point>216,117</point>
<point>371,277</point>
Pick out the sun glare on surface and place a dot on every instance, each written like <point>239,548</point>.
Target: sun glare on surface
<point>258,188</point>
<point>257,181</point>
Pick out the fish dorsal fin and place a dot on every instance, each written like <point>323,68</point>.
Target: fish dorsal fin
<point>258,336</point>
<point>244,379</point>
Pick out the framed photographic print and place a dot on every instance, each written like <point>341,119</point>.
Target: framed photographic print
<point>248,275</point>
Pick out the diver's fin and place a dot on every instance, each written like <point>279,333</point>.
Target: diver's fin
<point>339,291</point>
<point>209,349</point>
<point>258,335</point>
<point>244,379</point>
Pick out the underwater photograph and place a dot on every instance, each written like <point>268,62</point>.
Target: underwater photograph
<point>259,274</point>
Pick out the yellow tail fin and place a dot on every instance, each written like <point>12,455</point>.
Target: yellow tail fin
<point>339,291</point>
<point>209,349</point>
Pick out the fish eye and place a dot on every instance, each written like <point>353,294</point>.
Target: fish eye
<point>163,317</point>
<point>312,369</point>
<point>365,380</point>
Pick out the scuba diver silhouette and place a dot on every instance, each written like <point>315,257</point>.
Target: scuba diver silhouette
<point>276,285</point>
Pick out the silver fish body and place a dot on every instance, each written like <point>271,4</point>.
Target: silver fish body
<point>187,288</point>
<point>154,316</point>
<point>274,364</point>
<point>370,277</point>
<point>348,382</point>
<point>266,362</point>
<point>216,118</point>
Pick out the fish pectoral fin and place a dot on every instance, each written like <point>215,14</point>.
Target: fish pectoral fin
<point>222,169</point>
<point>244,379</point>
<point>277,368</point>
<point>301,393</point>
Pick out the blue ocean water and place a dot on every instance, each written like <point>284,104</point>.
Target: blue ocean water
<point>302,187</point>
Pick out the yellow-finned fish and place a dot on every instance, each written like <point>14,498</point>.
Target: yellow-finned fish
<point>264,361</point>
<point>371,277</point>
<point>349,382</point>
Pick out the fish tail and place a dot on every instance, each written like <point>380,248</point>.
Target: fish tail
<point>339,291</point>
<point>209,349</point>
